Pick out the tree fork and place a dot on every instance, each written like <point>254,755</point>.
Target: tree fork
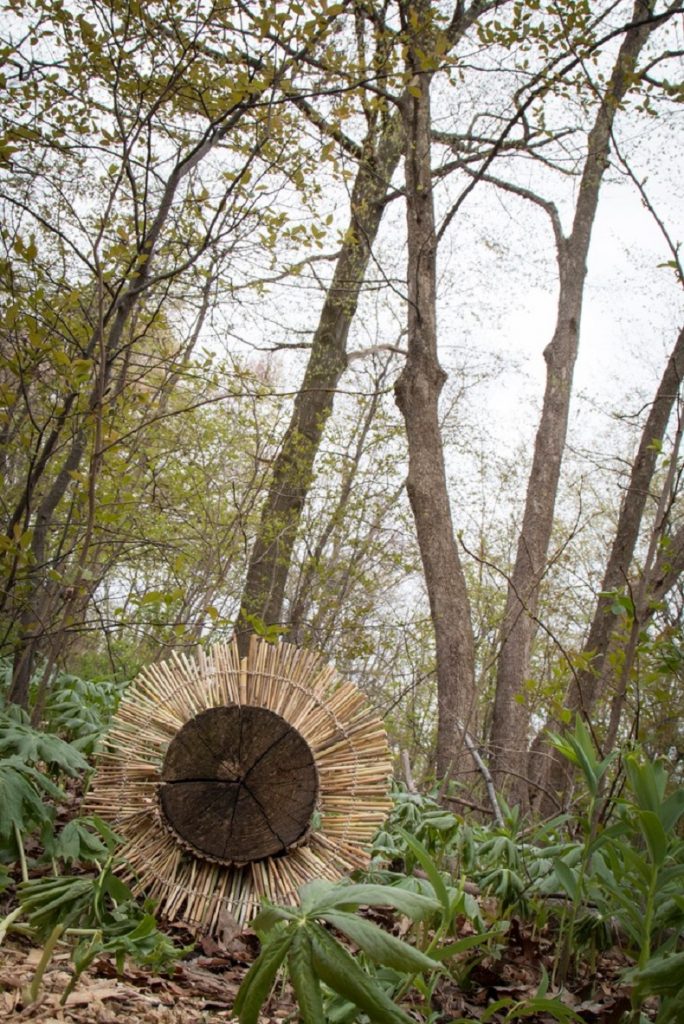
<point>417,395</point>
<point>509,740</point>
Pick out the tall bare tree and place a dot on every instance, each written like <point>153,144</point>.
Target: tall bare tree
<point>378,157</point>
<point>417,392</point>
<point>509,735</point>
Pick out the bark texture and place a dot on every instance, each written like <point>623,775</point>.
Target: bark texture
<point>417,394</point>
<point>509,736</point>
<point>586,686</point>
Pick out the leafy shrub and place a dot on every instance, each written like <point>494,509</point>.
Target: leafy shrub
<point>332,985</point>
<point>31,763</point>
<point>80,710</point>
<point>96,907</point>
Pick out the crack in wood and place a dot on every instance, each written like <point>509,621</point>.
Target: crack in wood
<point>248,817</point>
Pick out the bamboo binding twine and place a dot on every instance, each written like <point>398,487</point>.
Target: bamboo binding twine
<point>236,780</point>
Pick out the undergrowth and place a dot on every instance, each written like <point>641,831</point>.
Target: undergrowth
<point>442,893</point>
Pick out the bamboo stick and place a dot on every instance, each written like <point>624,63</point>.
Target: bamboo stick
<point>348,745</point>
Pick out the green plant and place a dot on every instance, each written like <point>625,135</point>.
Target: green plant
<point>96,909</point>
<point>578,748</point>
<point>631,870</point>
<point>639,878</point>
<point>508,1009</point>
<point>662,976</point>
<point>23,806</point>
<point>329,983</point>
<point>313,955</point>
<point>31,761</point>
<point>80,710</point>
<point>33,746</point>
<point>422,816</point>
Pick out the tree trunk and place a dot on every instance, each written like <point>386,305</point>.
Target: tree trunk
<point>271,556</point>
<point>509,737</point>
<point>269,563</point>
<point>417,394</point>
<point>589,683</point>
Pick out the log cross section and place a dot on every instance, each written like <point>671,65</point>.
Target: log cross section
<point>239,784</point>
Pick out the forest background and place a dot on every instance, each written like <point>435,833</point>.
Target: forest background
<point>293,295</point>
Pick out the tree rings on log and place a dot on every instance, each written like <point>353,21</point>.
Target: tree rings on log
<point>238,784</point>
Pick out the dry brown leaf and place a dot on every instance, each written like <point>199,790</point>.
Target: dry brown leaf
<point>84,996</point>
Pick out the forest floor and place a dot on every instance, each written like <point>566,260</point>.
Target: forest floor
<point>202,988</point>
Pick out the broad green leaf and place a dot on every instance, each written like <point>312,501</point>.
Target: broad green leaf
<point>412,904</point>
<point>382,947</point>
<point>268,917</point>
<point>647,781</point>
<point>145,927</point>
<point>662,975</point>
<point>338,969</point>
<point>654,835</point>
<point>672,1008</point>
<point>429,867</point>
<point>117,889</point>
<point>259,979</point>
<point>567,878</point>
<point>314,892</point>
<point>76,841</point>
<point>306,985</point>
<point>672,809</point>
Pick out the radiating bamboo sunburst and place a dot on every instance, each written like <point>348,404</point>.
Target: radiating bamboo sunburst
<point>232,780</point>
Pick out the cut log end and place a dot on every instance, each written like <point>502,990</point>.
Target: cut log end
<point>239,784</point>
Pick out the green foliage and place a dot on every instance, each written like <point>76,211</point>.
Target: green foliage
<point>587,877</point>
<point>95,908</point>
<point>101,911</point>
<point>314,956</point>
<point>80,709</point>
<point>33,746</point>
<point>579,749</point>
<point>329,983</point>
<point>424,818</point>
<point>23,808</point>
<point>30,763</point>
<point>88,839</point>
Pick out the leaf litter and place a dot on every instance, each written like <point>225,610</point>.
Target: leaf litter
<point>203,987</point>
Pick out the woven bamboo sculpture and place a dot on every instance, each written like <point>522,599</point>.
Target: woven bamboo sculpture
<point>233,780</point>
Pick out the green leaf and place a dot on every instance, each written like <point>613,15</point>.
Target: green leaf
<point>306,985</point>
<point>259,979</point>
<point>430,869</point>
<point>269,917</point>
<point>567,878</point>
<point>340,972</point>
<point>21,802</point>
<point>33,746</point>
<point>382,947</point>
<point>469,942</point>
<point>655,837</point>
<point>68,846</point>
<point>647,781</point>
<point>672,809</point>
<point>314,892</point>
<point>672,1009</point>
<point>663,975</point>
<point>413,904</point>
<point>117,889</point>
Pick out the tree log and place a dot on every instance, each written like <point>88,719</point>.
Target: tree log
<point>238,784</point>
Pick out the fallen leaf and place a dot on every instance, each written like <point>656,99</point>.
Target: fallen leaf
<point>83,997</point>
